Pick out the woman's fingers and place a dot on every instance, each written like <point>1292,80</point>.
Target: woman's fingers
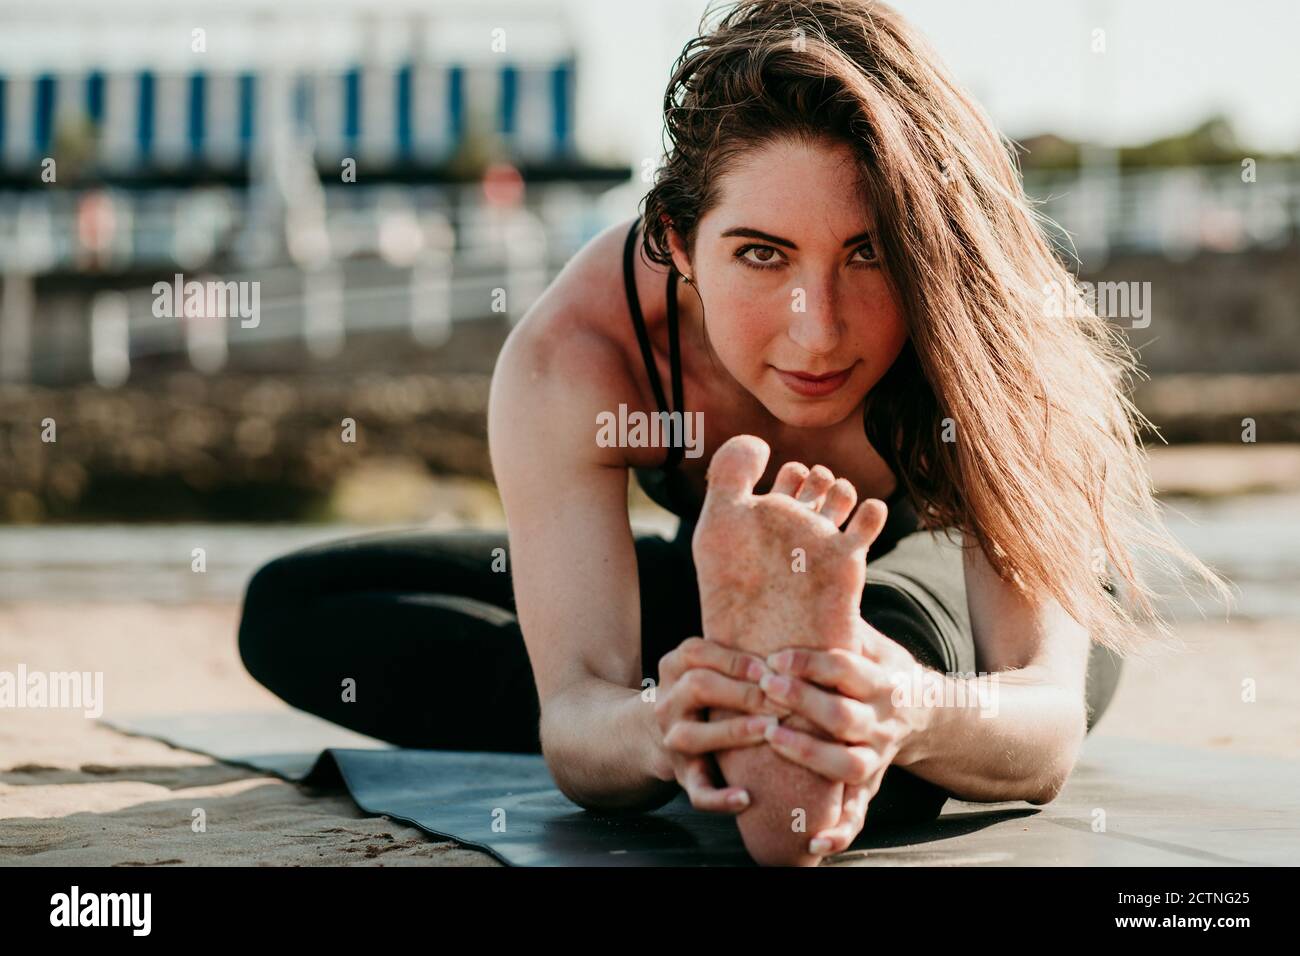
<point>834,761</point>
<point>849,672</point>
<point>701,688</point>
<point>845,718</point>
<point>699,675</point>
<point>700,737</point>
<point>695,780</point>
<point>697,652</point>
<point>853,815</point>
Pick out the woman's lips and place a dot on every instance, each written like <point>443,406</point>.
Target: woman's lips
<point>814,386</point>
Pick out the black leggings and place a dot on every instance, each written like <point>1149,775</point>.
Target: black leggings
<point>426,628</point>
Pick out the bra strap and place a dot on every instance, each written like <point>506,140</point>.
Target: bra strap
<point>675,451</point>
<point>638,320</point>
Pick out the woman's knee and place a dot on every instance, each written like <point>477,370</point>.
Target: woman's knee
<point>1104,668</point>
<point>261,630</point>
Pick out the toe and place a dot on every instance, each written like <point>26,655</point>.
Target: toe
<point>737,466</point>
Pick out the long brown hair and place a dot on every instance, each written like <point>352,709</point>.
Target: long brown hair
<point>1006,416</point>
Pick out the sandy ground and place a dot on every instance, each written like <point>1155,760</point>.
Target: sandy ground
<point>75,793</point>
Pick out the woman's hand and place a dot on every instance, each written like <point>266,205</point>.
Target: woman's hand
<point>850,695</point>
<point>695,676</point>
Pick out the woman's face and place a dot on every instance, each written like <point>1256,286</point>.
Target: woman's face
<point>796,303</point>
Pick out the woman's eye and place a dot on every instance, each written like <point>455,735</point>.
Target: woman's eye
<point>870,250</point>
<point>767,256</point>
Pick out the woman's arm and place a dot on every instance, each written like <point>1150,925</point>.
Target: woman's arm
<point>574,570</point>
<point>600,744</point>
<point>1010,733</point>
<point>571,558</point>
<point>1022,744</point>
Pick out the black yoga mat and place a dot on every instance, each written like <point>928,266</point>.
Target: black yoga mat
<point>1128,803</point>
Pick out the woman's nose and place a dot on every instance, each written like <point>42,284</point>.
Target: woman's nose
<point>814,325</point>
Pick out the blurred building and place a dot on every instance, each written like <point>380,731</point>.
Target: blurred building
<point>387,167</point>
<point>378,165</point>
<point>153,87</point>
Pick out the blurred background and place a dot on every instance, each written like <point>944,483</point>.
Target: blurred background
<point>397,181</point>
<point>368,197</point>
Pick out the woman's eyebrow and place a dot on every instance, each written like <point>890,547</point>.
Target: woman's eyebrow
<point>749,233</point>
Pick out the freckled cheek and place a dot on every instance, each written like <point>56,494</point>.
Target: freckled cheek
<point>882,338</point>
<point>745,340</point>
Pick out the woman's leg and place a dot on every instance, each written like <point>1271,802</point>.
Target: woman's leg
<point>1103,678</point>
<point>918,591</point>
<point>916,595</point>
<point>419,621</point>
<point>426,628</point>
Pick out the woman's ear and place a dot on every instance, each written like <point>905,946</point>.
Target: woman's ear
<point>677,246</point>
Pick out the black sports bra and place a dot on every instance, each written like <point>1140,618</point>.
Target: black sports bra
<point>666,485</point>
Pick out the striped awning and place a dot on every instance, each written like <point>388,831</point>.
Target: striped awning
<point>379,113</point>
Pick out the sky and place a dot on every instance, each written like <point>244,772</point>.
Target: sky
<point>1168,64</point>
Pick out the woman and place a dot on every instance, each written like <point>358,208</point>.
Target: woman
<point>864,289</point>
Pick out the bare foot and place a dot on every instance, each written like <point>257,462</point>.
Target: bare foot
<point>776,572</point>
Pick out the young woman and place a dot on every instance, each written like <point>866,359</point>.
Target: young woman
<point>839,276</point>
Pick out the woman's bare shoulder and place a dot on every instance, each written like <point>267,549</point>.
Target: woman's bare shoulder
<point>587,300</point>
<point>571,355</point>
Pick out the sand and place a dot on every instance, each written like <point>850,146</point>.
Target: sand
<point>75,793</point>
